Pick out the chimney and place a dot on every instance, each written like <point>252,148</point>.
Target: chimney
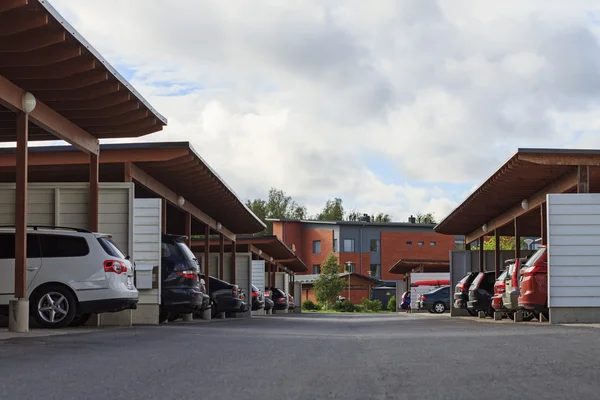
<point>412,220</point>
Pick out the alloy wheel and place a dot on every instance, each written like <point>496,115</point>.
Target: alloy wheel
<point>53,307</point>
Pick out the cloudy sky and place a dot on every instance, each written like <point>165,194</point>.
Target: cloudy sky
<point>395,106</point>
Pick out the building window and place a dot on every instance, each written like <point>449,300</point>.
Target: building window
<point>349,245</point>
<point>335,246</point>
<point>432,243</point>
<point>349,267</point>
<point>374,245</point>
<point>409,242</point>
<point>375,270</point>
<point>316,269</point>
<point>421,243</point>
<point>316,247</point>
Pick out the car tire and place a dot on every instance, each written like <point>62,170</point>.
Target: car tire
<point>80,320</point>
<point>53,306</point>
<point>173,317</point>
<point>213,309</point>
<point>162,316</point>
<point>439,307</point>
<point>472,312</point>
<point>528,316</point>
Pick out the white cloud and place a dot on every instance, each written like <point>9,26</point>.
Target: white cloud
<point>295,94</point>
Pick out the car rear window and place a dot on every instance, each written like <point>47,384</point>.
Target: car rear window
<point>465,278</point>
<point>477,281</point>
<point>110,247</point>
<point>536,256</point>
<point>503,275</point>
<point>58,246</point>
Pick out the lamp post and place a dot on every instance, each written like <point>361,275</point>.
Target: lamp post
<point>349,264</point>
<point>528,243</point>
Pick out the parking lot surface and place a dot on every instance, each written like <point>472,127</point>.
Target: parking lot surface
<point>308,356</point>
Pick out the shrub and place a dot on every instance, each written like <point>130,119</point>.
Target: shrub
<point>308,305</point>
<point>347,306</point>
<point>374,306</point>
<point>391,305</point>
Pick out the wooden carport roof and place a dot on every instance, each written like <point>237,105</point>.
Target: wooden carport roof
<point>42,54</point>
<point>404,266</point>
<point>176,165</point>
<point>267,246</point>
<point>529,175</point>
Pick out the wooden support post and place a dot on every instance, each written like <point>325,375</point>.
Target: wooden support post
<point>544,233</point>
<point>221,256</point>
<point>94,191</point>
<point>269,269</point>
<point>128,174</point>
<point>21,206</point>
<point>293,290</point>
<point>163,213</point>
<point>481,255</point>
<point>207,258</point>
<point>233,262</point>
<point>188,229</point>
<point>497,253</point>
<point>583,179</point>
<point>467,246</point>
<point>517,238</point>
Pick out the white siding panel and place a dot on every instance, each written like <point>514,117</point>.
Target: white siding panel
<point>575,219</point>
<point>570,240</point>
<point>574,250</point>
<point>147,243</point>
<point>258,274</point>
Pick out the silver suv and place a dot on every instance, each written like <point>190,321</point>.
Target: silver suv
<point>71,273</point>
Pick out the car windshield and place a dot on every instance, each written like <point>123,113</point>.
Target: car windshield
<point>536,256</point>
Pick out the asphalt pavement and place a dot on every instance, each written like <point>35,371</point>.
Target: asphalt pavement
<point>308,356</point>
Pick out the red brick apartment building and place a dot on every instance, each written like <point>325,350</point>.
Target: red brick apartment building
<point>371,248</point>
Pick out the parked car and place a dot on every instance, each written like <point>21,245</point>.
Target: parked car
<point>182,290</point>
<point>405,302</point>
<point>268,302</point>
<point>510,297</point>
<point>435,301</point>
<point>480,293</point>
<point>534,283</point>
<point>225,297</point>
<point>258,299</point>
<point>499,288</point>
<point>461,291</point>
<point>279,299</point>
<point>291,304</point>
<point>71,273</point>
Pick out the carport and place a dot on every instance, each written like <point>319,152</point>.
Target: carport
<point>277,264</point>
<point>513,201</point>
<point>193,199</point>
<point>55,86</point>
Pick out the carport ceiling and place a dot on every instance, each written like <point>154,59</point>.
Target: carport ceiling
<point>404,266</point>
<point>42,54</point>
<point>525,174</point>
<point>175,165</point>
<point>271,246</point>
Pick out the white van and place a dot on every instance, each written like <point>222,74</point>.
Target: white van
<point>71,273</point>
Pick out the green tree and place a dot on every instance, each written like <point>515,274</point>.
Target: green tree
<point>381,217</point>
<point>333,211</point>
<point>427,218</point>
<point>328,284</point>
<point>278,206</point>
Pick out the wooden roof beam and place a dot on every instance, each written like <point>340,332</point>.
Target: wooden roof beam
<point>561,159</point>
<point>78,81</point>
<point>31,40</point>
<point>60,70</point>
<point>47,55</point>
<point>48,119</point>
<point>91,92</point>
<point>566,182</point>
<point>10,4</point>
<point>109,100</point>
<point>16,21</point>
<point>160,189</point>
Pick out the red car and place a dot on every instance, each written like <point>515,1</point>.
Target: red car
<point>499,289</point>
<point>534,283</point>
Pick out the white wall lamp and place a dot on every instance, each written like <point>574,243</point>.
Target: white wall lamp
<point>180,201</point>
<point>28,102</point>
<point>271,259</point>
<point>259,252</point>
<point>484,227</point>
<point>525,204</point>
<point>219,226</point>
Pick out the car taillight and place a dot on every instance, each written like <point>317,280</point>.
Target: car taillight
<point>254,294</point>
<point>282,299</point>
<point>118,267</point>
<point>187,274</point>
<point>234,291</point>
<point>513,277</point>
<point>532,270</point>
<point>423,298</point>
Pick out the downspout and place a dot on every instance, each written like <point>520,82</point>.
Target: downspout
<point>361,250</point>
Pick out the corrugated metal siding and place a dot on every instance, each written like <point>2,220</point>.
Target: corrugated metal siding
<point>258,274</point>
<point>147,244</point>
<point>574,250</point>
<point>242,273</point>
<point>416,292</point>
